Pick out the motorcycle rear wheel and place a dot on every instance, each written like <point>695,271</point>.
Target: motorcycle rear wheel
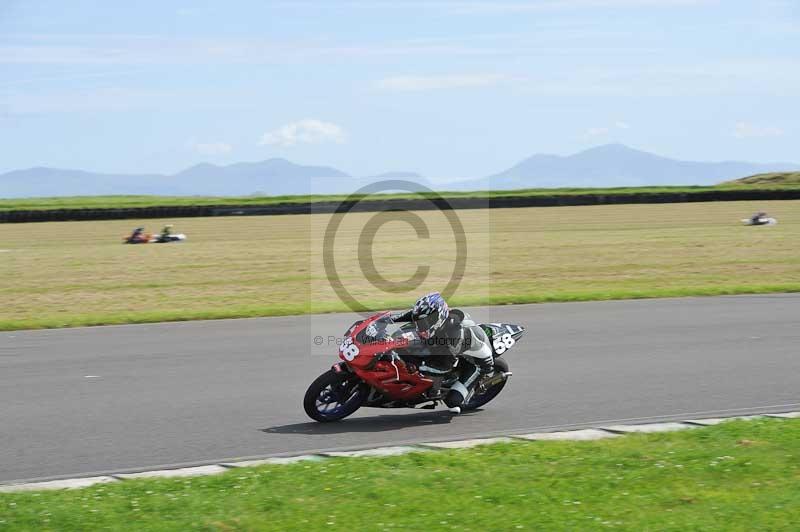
<point>334,396</point>
<point>478,400</point>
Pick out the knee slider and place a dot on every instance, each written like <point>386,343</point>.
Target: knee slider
<point>455,397</point>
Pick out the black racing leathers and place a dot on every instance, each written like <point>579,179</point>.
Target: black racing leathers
<point>461,337</point>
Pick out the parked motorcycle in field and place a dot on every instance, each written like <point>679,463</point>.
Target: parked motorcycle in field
<point>394,369</point>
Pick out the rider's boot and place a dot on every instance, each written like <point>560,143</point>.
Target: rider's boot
<point>462,388</point>
<point>455,397</point>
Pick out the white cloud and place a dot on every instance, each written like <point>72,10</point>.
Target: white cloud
<point>210,148</point>
<point>553,5</point>
<point>133,49</point>
<point>426,83</point>
<point>121,99</point>
<point>597,131</point>
<point>744,130</point>
<point>308,131</point>
<point>480,7</point>
<point>603,131</point>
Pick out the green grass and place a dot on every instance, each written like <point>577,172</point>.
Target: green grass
<point>83,202</point>
<point>127,318</point>
<point>741,475</point>
<point>769,179</point>
<point>78,273</point>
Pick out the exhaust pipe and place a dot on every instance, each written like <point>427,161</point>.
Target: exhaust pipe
<point>499,377</point>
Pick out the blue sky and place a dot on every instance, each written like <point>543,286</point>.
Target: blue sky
<point>451,89</point>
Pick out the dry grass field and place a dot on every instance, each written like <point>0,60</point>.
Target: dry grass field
<point>79,273</point>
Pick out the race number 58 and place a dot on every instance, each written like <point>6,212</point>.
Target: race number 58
<point>503,343</point>
<point>348,349</point>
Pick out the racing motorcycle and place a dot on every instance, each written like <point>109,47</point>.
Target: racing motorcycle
<point>164,239</point>
<point>760,221</point>
<point>147,238</point>
<point>386,368</point>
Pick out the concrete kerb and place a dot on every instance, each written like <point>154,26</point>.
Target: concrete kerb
<point>602,432</point>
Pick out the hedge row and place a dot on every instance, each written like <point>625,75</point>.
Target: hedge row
<point>370,205</point>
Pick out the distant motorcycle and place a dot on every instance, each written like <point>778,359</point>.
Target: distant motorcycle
<point>759,221</point>
<point>163,239</point>
<point>147,238</point>
<point>137,237</point>
<point>386,369</point>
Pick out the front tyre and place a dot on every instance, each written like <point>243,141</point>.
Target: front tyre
<point>334,396</point>
<point>481,397</point>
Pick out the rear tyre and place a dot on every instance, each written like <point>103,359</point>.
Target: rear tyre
<point>334,396</point>
<point>479,399</point>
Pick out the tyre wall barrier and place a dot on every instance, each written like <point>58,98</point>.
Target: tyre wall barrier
<point>370,205</point>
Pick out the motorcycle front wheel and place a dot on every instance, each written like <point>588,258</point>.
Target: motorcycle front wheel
<point>334,396</point>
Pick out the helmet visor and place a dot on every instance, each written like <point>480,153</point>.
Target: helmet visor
<point>426,324</point>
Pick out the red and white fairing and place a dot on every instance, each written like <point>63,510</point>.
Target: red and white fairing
<point>390,374</point>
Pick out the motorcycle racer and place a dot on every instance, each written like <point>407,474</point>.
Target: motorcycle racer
<point>137,236</point>
<point>454,332</point>
<point>757,218</point>
<point>385,364</point>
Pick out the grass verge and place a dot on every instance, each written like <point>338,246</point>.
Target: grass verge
<point>772,178</point>
<point>140,317</point>
<point>130,201</point>
<point>740,475</point>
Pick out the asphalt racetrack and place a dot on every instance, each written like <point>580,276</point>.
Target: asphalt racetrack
<point>77,402</point>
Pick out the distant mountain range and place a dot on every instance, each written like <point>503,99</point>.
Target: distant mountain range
<point>606,166</point>
<point>273,177</point>
<point>617,165</point>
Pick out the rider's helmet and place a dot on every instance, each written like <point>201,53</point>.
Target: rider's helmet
<point>429,313</point>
